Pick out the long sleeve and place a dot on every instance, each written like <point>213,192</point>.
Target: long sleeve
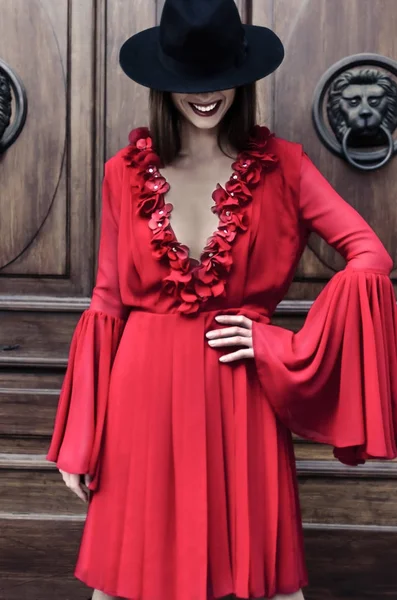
<point>335,380</point>
<point>81,414</point>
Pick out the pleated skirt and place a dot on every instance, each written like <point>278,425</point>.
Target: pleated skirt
<point>197,494</point>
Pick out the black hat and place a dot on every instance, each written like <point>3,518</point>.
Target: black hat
<point>200,46</point>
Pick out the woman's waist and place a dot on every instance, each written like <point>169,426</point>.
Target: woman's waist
<point>260,314</point>
<point>177,344</point>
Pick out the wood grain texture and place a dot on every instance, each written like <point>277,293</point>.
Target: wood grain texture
<point>24,444</point>
<point>99,117</point>
<point>242,5</point>
<point>44,303</point>
<point>28,402</point>
<point>307,451</point>
<point>349,501</point>
<point>43,492</point>
<point>23,411</point>
<point>40,339</point>
<point>347,564</point>
<point>261,13</point>
<point>126,101</point>
<point>82,97</point>
<point>37,560</point>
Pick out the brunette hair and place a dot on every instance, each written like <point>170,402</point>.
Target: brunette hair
<point>234,130</point>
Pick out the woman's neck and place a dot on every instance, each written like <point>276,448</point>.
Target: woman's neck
<point>198,144</point>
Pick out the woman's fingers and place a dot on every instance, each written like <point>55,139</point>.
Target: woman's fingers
<point>238,355</point>
<point>239,333</point>
<point>228,331</point>
<point>238,326</point>
<point>73,482</point>
<point>233,340</point>
<point>76,487</point>
<point>239,320</point>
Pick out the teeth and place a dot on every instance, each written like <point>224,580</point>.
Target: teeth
<point>207,108</point>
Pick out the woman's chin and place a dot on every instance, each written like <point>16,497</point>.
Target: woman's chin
<point>204,122</point>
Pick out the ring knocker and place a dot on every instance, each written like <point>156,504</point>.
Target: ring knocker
<point>11,85</point>
<point>361,106</point>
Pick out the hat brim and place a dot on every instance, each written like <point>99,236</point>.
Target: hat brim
<point>139,59</point>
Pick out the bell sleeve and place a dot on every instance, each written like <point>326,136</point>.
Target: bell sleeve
<point>335,380</point>
<point>80,418</point>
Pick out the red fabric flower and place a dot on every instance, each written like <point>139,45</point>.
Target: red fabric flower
<point>190,295</point>
<point>160,219</point>
<point>137,134</point>
<point>222,198</point>
<point>156,185</point>
<point>189,308</point>
<point>215,245</point>
<point>215,268</point>
<point>214,288</point>
<point>140,153</point>
<point>248,169</point>
<point>228,232</point>
<point>160,243</point>
<point>175,280</point>
<point>239,219</point>
<point>218,288</point>
<point>148,204</point>
<point>178,255</point>
<point>154,188</point>
<point>236,187</point>
<point>144,143</point>
<point>258,141</point>
<point>145,159</point>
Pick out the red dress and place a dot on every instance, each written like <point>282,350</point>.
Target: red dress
<point>194,489</point>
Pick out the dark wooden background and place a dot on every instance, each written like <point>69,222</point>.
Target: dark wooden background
<point>81,108</point>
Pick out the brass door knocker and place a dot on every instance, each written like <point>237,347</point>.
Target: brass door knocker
<point>360,92</point>
<point>11,86</point>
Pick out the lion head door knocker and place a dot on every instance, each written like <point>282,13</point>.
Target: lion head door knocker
<point>11,88</point>
<point>360,93</point>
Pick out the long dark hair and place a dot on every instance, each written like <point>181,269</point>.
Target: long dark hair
<point>234,129</point>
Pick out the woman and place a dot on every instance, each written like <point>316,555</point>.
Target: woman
<point>180,395</point>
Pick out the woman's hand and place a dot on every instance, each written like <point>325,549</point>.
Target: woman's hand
<point>75,484</point>
<point>239,334</point>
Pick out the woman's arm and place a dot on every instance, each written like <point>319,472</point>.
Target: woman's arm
<point>335,380</point>
<point>79,423</point>
<point>106,295</point>
<point>324,211</point>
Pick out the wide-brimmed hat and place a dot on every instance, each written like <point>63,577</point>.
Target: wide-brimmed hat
<point>200,46</point>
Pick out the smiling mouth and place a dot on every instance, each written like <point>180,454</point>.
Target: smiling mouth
<point>205,110</point>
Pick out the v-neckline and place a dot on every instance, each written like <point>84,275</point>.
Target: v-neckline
<point>195,262</point>
<point>190,281</point>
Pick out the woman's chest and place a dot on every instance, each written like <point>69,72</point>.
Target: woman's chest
<point>257,237</point>
<point>193,220</point>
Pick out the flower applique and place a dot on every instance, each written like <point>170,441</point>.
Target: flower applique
<point>193,282</point>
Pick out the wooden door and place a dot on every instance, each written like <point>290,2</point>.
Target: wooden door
<point>81,108</point>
